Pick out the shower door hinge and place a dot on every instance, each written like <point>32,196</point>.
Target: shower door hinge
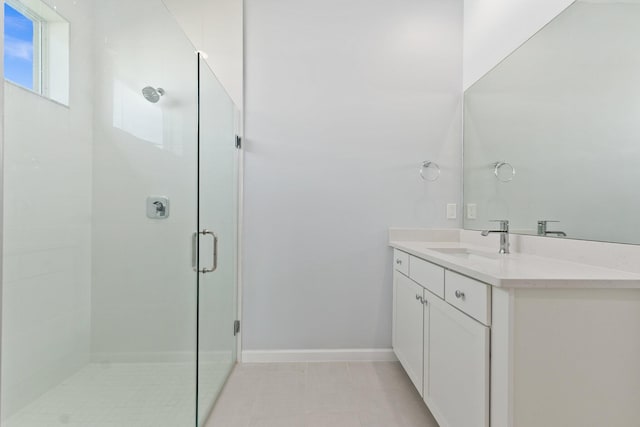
<point>238,142</point>
<point>236,328</point>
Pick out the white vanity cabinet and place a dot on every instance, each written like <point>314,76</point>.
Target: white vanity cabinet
<point>409,311</point>
<point>443,349</point>
<point>457,388</point>
<point>518,340</point>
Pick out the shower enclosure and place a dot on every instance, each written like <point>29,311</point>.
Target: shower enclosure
<point>119,262</point>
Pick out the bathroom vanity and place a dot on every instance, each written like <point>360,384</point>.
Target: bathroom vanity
<point>549,335</point>
<point>516,340</point>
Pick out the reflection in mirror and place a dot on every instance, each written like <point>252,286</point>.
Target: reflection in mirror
<point>564,111</point>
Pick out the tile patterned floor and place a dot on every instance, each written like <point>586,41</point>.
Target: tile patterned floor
<point>278,395</point>
<point>122,395</point>
<point>320,395</point>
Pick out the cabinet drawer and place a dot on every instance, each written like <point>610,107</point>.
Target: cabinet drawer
<point>428,275</point>
<point>470,296</point>
<point>401,262</point>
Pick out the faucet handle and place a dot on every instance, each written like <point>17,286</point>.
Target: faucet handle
<point>542,226</point>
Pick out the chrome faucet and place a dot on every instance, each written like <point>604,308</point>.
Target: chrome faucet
<point>504,235</point>
<point>543,231</point>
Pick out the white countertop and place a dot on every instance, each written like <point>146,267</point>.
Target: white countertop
<point>518,270</point>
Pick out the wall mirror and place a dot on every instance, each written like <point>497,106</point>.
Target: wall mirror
<point>553,132</point>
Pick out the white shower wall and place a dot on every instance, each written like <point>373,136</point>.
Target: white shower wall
<point>143,305</point>
<point>47,227</point>
<point>215,27</point>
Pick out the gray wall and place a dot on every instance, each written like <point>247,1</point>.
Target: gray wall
<point>343,100</point>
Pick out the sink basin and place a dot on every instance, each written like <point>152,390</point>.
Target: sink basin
<point>466,253</point>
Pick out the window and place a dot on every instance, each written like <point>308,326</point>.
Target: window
<point>36,48</point>
<point>19,37</point>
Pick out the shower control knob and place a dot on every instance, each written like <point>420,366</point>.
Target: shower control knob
<point>158,207</point>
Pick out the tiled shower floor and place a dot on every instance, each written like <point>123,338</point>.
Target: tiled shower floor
<point>123,395</point>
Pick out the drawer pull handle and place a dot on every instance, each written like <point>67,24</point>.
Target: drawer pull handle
<point>399,261</point>
<point>460,295</point>
<point>419,298</point>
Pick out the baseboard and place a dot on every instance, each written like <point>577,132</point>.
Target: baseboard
<point>346,355</point>
<point>162,357</point>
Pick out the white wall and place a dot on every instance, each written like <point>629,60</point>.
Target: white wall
<point>344,100</point>
<point>47,233</point>
<point>495,28</point>
<point>2,165</point>
<point>216,27</point>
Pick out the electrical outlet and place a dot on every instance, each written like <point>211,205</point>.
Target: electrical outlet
<point>472,211</point>
<point>452,211</point>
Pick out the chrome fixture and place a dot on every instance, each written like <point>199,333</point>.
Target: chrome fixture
<point>543,231</point>
<point>497,166</point>
<point>153,94</point>
<point>504,235</point>
<point>430,165</point>
<point>158,207</point>
<point>194,252</point>
<point>161,209</point>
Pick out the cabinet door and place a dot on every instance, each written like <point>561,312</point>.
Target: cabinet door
<point>407,327</point>
<point>426,343</point>
<point>457,391</point>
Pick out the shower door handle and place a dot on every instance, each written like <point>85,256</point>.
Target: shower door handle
<point>194,251</point>
<point>215,251</point>
<point>194,259</point>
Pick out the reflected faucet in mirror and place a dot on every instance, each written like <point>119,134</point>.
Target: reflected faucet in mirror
<point>543,229</point>
<point>504,235</point>
<point>533,103</point>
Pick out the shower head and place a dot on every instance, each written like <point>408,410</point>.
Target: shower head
<point>152,94</point>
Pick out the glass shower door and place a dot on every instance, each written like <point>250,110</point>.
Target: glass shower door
<point>217,260</point>
<point>99,297</point>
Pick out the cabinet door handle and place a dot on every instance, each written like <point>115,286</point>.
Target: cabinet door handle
<point>459,294</point>
<point>399,261</point>
<point>419,298</point>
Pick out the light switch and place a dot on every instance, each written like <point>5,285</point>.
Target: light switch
<point>452,211</point>
<point>472,211</point>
